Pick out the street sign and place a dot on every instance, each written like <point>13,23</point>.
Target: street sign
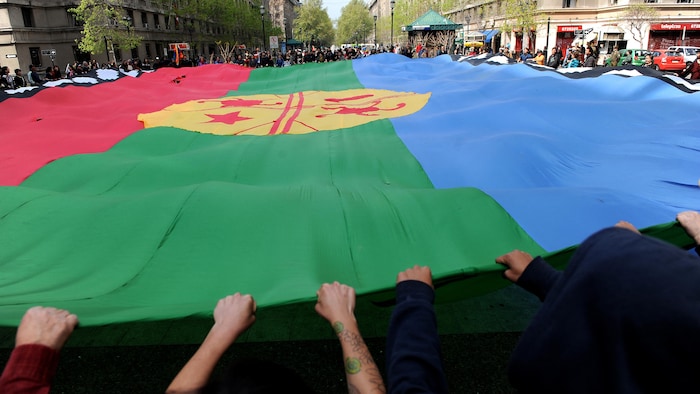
<point>48,52</point>
<point>583,32</point>
<point>274,42</point>
<point>11,55</point>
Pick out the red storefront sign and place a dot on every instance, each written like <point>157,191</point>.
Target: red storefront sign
<point>183,46</point>
<point>676,26</point>
<point>566,29</point>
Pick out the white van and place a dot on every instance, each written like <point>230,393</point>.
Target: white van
<point>689,53</point>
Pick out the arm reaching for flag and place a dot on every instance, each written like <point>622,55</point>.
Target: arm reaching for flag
<point>622,293</point>
<point>336,303</point>
<point>232,316</point>
<point>414,359</point>
<point>34,360</point>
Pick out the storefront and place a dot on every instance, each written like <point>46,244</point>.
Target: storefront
<point>566,35</point>
<point>520,43</point>
<point>611,36</point>
<point>664,35</point>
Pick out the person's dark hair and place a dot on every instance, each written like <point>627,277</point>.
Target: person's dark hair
<point>251,376</point>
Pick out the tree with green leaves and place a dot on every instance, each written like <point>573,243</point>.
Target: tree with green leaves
<point>105,23</point>
<point>218,20</point>
<point>638,17</point>
<point>314,24</point>
<point>522,17</point>
<point>355,24</point>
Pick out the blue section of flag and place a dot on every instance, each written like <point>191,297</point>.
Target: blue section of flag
<point>565,157</point>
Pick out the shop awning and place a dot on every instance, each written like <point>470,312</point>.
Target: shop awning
<point>611,29</point>
<point>489,34</point>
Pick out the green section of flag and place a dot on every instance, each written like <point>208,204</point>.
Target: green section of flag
<point>169,221</point>
<point>313,76</point>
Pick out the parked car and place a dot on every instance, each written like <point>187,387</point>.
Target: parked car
<point>636,58</point>
<point>689,53</point>
<point>668,60</point>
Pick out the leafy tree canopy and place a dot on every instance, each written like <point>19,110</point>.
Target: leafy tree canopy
<point>104,20</point>
<point>355,23</point>
<point>637,17</point>
<point>521,16</point>
<point>314,23</point>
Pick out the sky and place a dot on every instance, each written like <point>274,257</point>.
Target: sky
<point>334,7</point>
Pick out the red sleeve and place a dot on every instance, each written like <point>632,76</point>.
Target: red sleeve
<point>31,369</point>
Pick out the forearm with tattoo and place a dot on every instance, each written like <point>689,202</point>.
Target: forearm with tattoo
<point>359,364</point>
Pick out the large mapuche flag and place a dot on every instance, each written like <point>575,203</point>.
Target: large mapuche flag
<point>152,197</point>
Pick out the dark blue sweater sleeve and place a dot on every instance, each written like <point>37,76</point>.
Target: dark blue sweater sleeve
<point>538,278</point>
<point>414,362</point>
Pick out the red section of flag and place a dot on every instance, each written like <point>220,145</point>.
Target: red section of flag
<point>63,121</point>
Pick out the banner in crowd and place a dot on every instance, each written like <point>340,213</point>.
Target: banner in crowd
<point>154,195</point>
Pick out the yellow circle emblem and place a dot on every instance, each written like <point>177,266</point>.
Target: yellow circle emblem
<point>296,113</point>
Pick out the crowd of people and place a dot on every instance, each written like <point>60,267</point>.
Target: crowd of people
<point>589,56</point>
<point>575,56</point>
<point>254,58</point>
<point>622,317</point>
<point>244,57</point>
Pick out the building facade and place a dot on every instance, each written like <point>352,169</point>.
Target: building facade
<point>44,32</point>
<point>601,21</point>
<point>282,15</point>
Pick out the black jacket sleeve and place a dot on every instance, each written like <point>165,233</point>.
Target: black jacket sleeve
<point>414,363</point>
<point>538,278</point>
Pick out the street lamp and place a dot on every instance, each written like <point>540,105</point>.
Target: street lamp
<point>546,46</point>
<point>284,26</point>
<point>375,32</point>
<point>262,19</point>
<point>393,4</point>
<point>189,26</point>
<point>127,19</point>
<point>107,49</point>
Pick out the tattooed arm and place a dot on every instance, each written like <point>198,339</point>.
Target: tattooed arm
<point>336,303</point>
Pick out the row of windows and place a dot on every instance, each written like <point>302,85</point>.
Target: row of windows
<point>36,57</point>
<point>28,18</point>
<point>572,3</point>
<point>185,24</point>
<point>677,1</point>
<point>476,13</point>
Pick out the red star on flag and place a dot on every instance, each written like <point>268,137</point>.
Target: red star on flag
<point>229,119</point>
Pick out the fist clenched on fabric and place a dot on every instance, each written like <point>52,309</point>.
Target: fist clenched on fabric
<point>46,326</point>
<point>421,274</point>
<point>233,315</point>
<point>336,302</point>
<point>515,263</point>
